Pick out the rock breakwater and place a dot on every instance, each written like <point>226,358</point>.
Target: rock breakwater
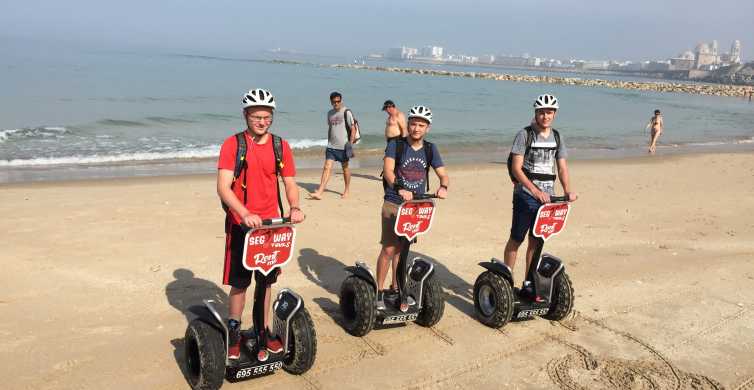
<point>660,86</point>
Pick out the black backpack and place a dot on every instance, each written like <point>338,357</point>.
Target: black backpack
<point>241,165</point>
<point>530,136</point>
<point>400,146</point>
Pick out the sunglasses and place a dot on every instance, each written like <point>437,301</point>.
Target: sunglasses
<point>335,101</point>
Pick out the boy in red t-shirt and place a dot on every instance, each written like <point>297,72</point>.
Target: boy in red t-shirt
<point>249,206</point>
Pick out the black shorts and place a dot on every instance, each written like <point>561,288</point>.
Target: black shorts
<point>525,209</point>
<point>235,274</point>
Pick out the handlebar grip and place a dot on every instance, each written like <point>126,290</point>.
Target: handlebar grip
<point>425,196</point>
<point>273,221</point>
<point>559,198</point>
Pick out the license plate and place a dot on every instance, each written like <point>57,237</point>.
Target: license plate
<point>400,318</point>
<point>532,313</point>
<point>250,372</point>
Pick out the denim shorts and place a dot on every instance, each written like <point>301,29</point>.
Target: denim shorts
<point>338,155</point>
<point>525,209</point>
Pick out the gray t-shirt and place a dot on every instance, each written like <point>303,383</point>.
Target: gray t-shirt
<point>542,158</point>
<point>336,128</point>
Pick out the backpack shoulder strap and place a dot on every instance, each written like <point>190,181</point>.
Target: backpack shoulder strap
<point>530,136</point>
<point>345,120</point>
<point>429,155</point>
<point>400,145</point>
<point>277,148</point>
<point>240,155</point>
<point>557,138</point>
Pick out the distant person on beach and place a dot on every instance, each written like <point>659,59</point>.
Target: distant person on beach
<point>655,123</point>
<point>247,184</point>
<point>395,125</point>
<point>339,144</point>
<point>406,172</point>
<point>537,151</point>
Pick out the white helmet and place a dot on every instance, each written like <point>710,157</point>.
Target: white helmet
<point>258,98</point>
<point>420,112</point>
<point>546,101</point>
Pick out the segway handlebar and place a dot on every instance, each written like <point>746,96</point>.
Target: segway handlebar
<point>425,196</point>
<point>267,222</point>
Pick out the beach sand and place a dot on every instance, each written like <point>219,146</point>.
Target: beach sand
<point>98,275</point>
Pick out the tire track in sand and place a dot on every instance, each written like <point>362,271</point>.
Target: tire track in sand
<point>568,371</point>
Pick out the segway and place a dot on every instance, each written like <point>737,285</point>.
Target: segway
<point>419,291</point>
<point>265,249</point>
<point>549,293</point>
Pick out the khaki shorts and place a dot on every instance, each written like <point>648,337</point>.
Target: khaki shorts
<point>389,213</point>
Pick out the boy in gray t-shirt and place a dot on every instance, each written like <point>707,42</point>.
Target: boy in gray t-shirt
<point>535,172</point>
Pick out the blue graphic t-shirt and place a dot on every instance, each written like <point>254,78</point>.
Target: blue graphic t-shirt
<point>412,171</point>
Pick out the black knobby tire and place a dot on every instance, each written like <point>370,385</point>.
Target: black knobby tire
<point>433,303</point>
<point>302,344</point>
<point>493,299</point>
<point>204,356</point>
<point>562,298</point>
<point>357,304</point>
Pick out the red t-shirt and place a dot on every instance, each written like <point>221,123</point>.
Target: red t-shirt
<point>261,182</point>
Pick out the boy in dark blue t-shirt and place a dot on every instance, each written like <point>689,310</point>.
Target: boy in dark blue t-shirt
<point>409,177</point>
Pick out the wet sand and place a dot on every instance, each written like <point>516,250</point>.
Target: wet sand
<point>98,277</point>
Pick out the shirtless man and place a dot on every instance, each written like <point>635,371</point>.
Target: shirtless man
<point>655,123</point>
<point>395,125</point>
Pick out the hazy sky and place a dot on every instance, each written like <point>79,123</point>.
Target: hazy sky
<point>590,29</point>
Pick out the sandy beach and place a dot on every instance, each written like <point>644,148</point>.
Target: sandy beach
<point>98,276</point>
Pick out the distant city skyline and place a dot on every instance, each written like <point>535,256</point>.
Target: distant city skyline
<point>587,29</point>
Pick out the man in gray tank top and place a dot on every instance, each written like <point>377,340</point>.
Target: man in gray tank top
<point>338,144</point>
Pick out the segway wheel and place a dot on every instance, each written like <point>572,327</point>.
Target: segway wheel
<point>302,344</point>
<point>562,298</point>
<point>493,299</point>
<point>433,303</point>
<point>204,356</point>
<point>357,304</point>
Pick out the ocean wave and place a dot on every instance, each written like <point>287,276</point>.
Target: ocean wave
<point>167,121</point>
<point>203,152</point>
<point>120,123</point>
<point>198,153</point>
<point>306,143</point>
<point>746,141</point>
<point>32,132</point>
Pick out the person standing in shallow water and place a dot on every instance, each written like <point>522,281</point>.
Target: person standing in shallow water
<point>656,124</point>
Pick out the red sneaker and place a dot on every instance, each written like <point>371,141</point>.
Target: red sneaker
<point>274,345</point>
<point>234,350</point>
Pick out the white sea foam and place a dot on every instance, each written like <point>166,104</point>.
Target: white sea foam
<point>204,152</point>
<point>307,143</point>
<point>46,131</point>
<point>4,134</point>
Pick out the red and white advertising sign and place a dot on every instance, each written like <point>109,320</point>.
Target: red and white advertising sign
<point>267,248</point>
<point>414,218</point>
<point>551,219</point>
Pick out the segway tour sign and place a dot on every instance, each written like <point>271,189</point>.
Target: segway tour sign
<point>414,218</point>
<point>267,248</point>
<point>551,219</point>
